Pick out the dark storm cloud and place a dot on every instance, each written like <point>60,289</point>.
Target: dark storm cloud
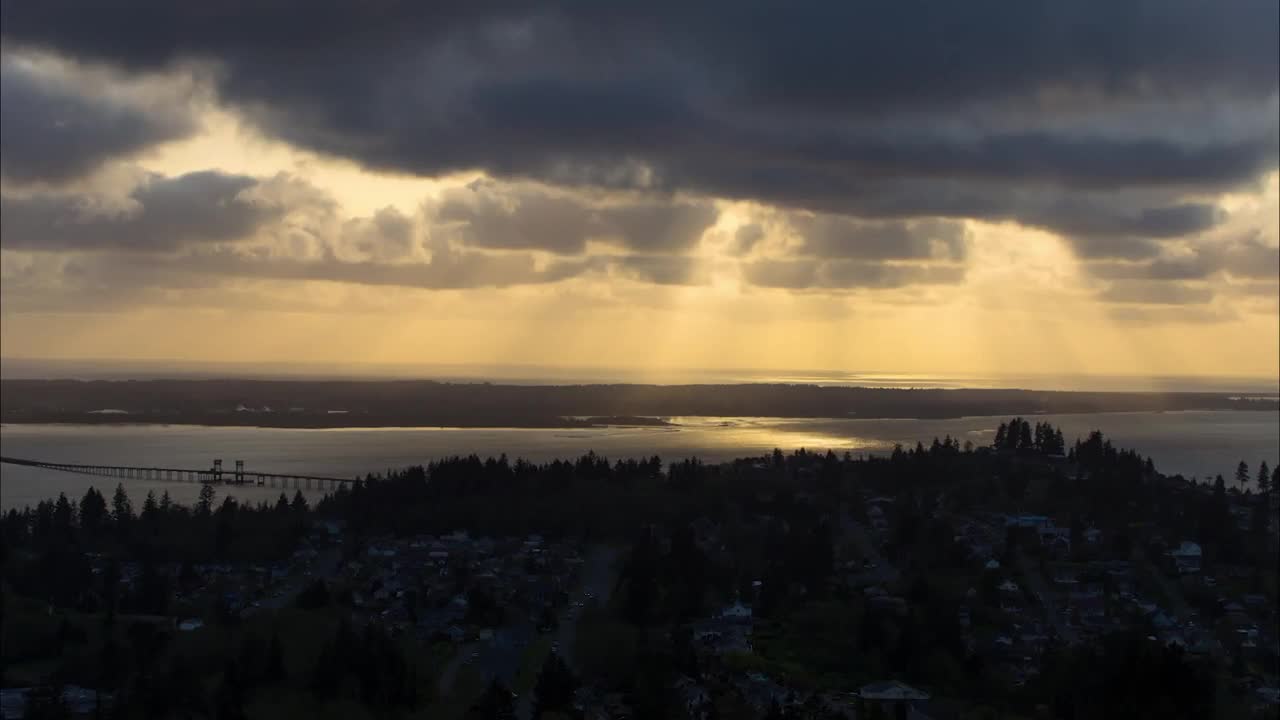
<point>880,110</point>
<point>53,131</point>
<point>847,274</point>
<point>489,215</point>
<point>166,213</point>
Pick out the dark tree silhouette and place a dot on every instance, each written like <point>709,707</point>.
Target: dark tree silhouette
<point>496,703</point>
<point>555,686</point>
<point>1242,474</point>
<point>204,505</point>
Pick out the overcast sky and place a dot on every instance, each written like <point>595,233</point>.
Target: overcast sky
<point>991,187</point>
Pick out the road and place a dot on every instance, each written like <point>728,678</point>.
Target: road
<point>599,575</point>
<point>1035,581</point>
<point>884,572</point>
<point>323,567</point>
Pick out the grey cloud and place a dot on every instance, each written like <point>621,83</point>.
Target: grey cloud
<point>878,110</point>
<point>1156,293</point>
<point>166,213</point>
<point>388,235</point>
<point>663,269</point>
<point>1192,267</point>
<point>1259,287</point>
<point>495,216</point>
<point>746,238</point>
<point>1077,217</point>
<point>518,220</point>
<point>847,274</point>
<point>1251,258</point>
<point>1241,258</point>
<point>1195,315</point>
<point>842,237</point>
<point>1111,248</point>
<point>445,271</point>
<point>53,131</point>
<point>208,268</point>
<point>1099,224</point>
<point>657,225</point>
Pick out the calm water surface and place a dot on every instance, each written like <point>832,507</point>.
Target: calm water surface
<point>1192,443</point>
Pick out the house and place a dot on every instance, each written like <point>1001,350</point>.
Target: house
<point>1036,522</point>
<point>1186,558</point>
<point>736,611</point>
<point>888,696</point>
<point>877,519</point>
<point>723,635</point>
<point>78,701</point>
<point>889,604</point>
<point>1088,601</point>
<point>1055,539</point>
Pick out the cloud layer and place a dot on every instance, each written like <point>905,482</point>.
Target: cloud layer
<point>822,148</point>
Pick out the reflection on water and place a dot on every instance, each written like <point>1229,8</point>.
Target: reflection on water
<point>1193,443</point>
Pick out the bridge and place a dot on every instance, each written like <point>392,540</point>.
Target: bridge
<point>216,474</point>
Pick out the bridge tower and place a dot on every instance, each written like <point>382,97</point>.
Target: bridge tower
<point>217,470</point>
<point>239,472</point>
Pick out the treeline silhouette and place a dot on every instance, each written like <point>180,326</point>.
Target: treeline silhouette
<point>56,538</point>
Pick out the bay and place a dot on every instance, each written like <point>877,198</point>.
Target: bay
<point>1202,444</point>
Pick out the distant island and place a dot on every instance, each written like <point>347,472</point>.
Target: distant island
<point>421,403</point>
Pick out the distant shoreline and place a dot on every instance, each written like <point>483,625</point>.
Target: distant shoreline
<point>307,404</point>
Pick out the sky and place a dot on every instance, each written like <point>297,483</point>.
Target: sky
<point>981,187</point>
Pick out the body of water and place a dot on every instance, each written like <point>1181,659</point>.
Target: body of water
<point>1192,443</point>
